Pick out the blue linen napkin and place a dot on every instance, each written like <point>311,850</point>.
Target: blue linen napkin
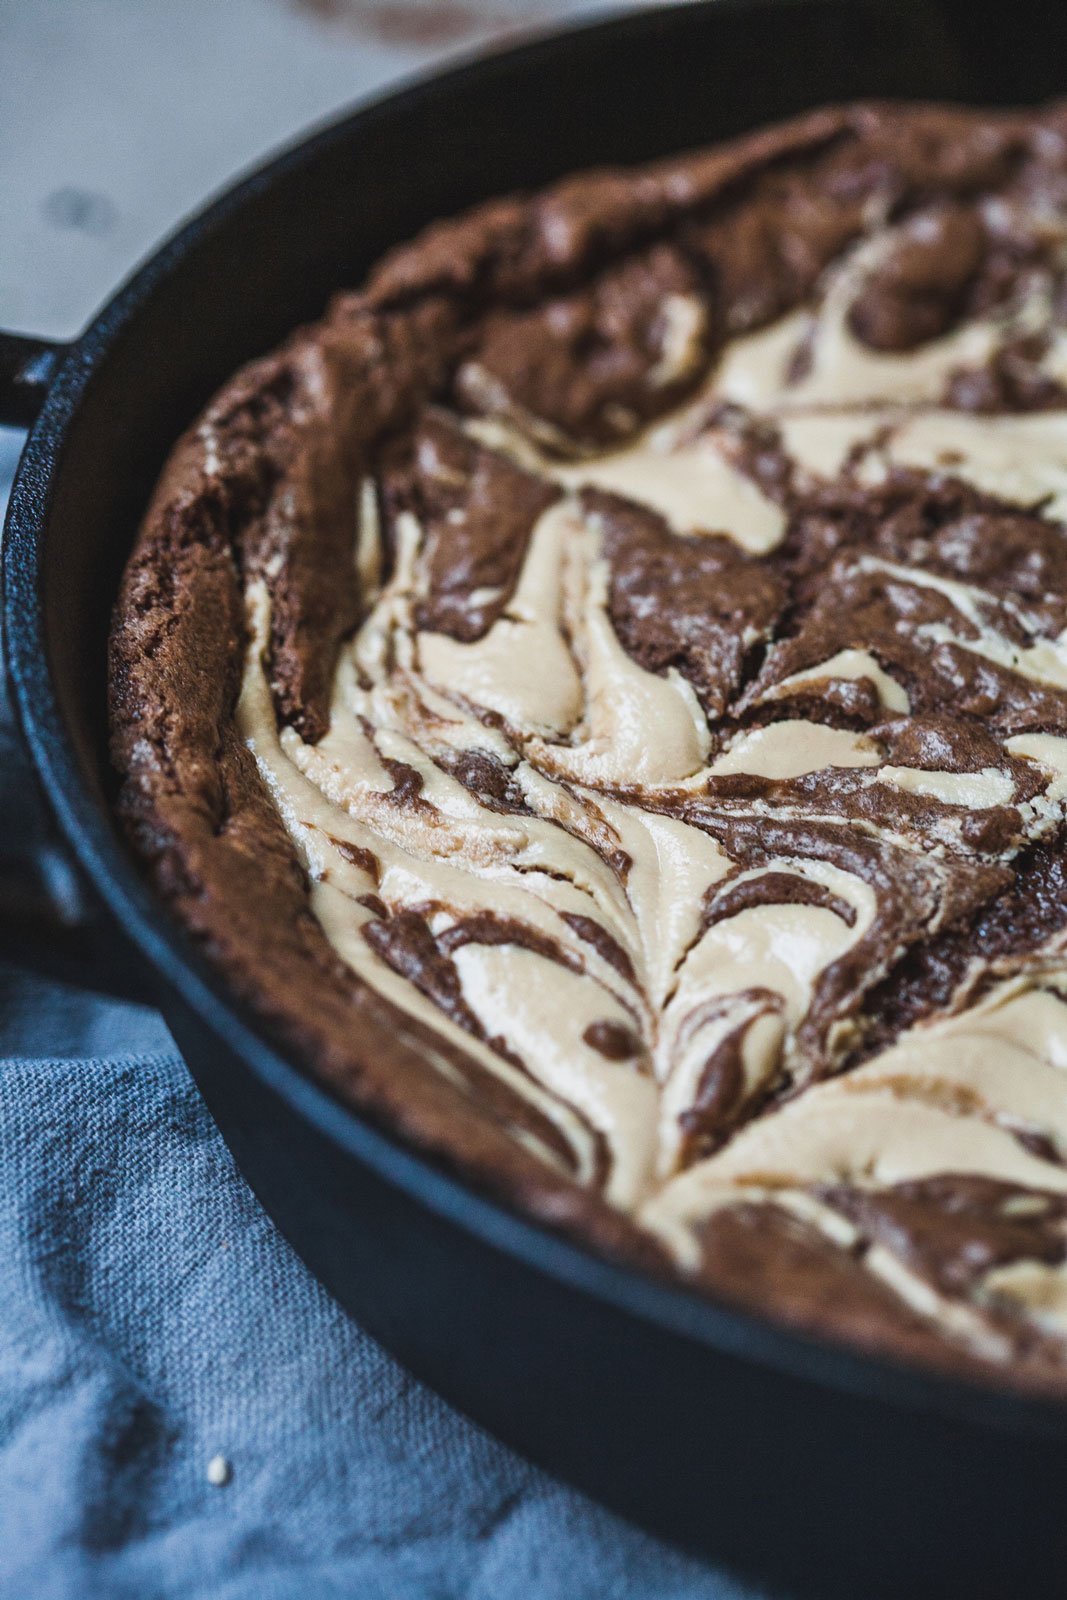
<point>152,1319</point>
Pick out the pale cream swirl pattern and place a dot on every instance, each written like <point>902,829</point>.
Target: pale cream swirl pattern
<point>694,825</point>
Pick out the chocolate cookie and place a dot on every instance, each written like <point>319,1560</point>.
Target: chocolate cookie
<point>601,697</point>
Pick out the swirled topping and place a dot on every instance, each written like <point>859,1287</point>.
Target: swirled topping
<point>697,769</point>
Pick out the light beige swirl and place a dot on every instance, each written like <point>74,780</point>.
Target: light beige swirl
<point>577,722</point>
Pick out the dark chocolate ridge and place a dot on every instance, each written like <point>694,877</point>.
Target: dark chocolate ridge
<point>771,889</point>
<point>438,472</point>
<point>954,1227</point>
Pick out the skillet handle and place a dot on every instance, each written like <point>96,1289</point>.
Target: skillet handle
<point>27,367</point>
<point>49,921</point>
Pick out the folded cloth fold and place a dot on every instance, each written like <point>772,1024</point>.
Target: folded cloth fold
<point>152,1321</point>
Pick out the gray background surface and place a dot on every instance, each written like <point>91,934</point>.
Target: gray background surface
<point>118,118</point>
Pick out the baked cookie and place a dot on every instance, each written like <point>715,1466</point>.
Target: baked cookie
<point>601,697</point>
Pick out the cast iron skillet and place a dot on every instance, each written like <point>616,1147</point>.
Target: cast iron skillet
<point>805,1464</point>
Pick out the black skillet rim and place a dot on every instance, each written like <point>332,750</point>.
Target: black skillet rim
<point>111,869</point>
